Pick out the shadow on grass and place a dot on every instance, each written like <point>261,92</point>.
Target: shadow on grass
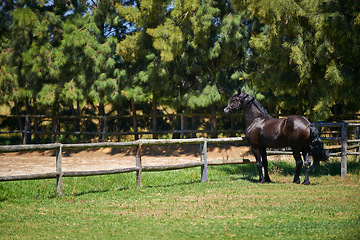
<point>38,189</point>
<point>246,172</point>
<point>90,192</point>
<point>168,185</point>
<point>287,168</point>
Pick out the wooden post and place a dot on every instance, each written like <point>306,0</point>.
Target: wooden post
<point>343,150</point>
<point>59,172</point>
<point>203,158</point>
<point>139,165</point>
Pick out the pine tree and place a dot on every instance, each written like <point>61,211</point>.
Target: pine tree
<point>142,66</point>
<point>304,53</point>
<point>58,56</point>
<point>201,44</point>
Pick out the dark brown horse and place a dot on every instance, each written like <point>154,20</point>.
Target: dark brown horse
<point>264,131</point>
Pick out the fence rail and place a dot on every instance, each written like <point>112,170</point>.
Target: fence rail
<point>203,163</point>
<point>59,174</point>
<point>106,127</point>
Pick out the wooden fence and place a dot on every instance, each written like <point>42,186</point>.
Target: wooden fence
<point>108,126</point>
<point>139,168</point>
<point>59,174</point>
<point>103,127</point>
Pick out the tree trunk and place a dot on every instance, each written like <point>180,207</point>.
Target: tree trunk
<point>55,120</point>
<point>213,121</point>
<point>132,103</point>
<point>118,125</point>
<point>21,125</point>
<point>193,126</point>
<point>76,112</point>
<point>55,128</point>
<point>36,128</point>
<point>135,125</point>
<point>154,119</point>
<point>28,122</point>
<point>101,121</point>
<point>177,123</point>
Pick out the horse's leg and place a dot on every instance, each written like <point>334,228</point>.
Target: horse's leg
<point>299,163</point>
<point>256,152</point>
<point>306,155</point>
<point>265,164</point>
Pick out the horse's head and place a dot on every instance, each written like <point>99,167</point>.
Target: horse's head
<point>237,102</point>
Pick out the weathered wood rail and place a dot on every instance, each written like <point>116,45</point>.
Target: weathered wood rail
<point>139,168</point>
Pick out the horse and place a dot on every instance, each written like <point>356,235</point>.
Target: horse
<point>263,131</point>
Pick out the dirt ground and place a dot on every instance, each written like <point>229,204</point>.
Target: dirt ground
<point>12,164</point>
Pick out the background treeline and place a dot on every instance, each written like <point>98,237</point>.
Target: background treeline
<point>68,57</point>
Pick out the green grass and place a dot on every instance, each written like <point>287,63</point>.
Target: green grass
<point>176,205</point>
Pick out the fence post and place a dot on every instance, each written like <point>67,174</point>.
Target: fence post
<point>59,182</point>
<point>139,165</point>
<point>203,158</point>
<point>343,150</point>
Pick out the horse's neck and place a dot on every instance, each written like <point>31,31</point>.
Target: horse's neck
<point>252,114</point>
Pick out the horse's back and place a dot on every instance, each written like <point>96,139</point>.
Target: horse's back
<point>289,131</point>
<point>297,130</point>
<point>298,123</point>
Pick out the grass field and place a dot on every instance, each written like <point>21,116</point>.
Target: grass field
<point>176,205</point>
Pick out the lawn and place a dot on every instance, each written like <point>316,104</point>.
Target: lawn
<point>176,205</point>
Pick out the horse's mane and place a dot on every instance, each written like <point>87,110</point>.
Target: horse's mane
<point>260,107</point>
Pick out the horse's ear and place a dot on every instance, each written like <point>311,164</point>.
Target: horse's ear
<point>239,90</point>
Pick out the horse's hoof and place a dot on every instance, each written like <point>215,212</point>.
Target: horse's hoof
<point>306,182</point>
<point>297,181</point>
<point>261,181</point>
<point>268,180</point>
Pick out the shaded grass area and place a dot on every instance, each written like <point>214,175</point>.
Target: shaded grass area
<point>175,204</point>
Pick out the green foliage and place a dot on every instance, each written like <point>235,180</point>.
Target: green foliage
<point>299,56</point>
<point>202,99</point>
<point>304,55</point>
<point>168,39</point>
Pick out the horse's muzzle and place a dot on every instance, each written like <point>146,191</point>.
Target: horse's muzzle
<point>227,110</point>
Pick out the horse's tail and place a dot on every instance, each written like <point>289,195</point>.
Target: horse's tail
<point>317,148</point>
